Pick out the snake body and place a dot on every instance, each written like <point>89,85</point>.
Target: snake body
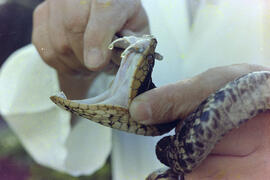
<point>226,109</point>
<point>196,135</point>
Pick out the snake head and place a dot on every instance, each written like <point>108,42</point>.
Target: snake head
<point>111,108</point>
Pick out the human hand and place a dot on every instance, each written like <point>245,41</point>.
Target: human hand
<point>242,154</point>
<point>73,36</point>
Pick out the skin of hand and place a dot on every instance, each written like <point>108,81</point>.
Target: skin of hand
<point>72,36</point>
<point>243,154</point>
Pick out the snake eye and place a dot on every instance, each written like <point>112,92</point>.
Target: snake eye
<point>154,43</point>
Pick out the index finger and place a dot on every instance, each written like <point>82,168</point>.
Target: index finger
<point>106,19</point>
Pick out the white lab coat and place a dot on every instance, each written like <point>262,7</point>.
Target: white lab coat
<point>208,34</point>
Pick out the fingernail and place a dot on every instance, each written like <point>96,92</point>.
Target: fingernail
<point>93,59</point>
<point>141,112</point>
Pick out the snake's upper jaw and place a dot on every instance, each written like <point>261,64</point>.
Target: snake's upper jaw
<point>58,98</point>
<point>133,77</point>
<point>123,42</point>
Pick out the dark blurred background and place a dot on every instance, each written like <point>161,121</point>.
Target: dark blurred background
<point>15,163</point>
<point>15,25</point>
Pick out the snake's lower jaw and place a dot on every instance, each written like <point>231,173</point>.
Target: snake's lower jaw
<point>113,116</point>
<point>229,107</point>
<point>133,77</point>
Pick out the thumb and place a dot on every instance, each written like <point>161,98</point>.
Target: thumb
<point>98,34</point>
<point>174,101</point>
<point>105,20</point>
<point>164,104</point>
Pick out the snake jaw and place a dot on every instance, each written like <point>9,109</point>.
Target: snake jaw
<point>123,42</point>
<point>61,94</point>
<point>123,84</point>
<point>133,77</point>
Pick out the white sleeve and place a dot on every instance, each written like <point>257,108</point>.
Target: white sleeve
<point>227,32</point>
<point>26,83</point>
<point>223,32</point>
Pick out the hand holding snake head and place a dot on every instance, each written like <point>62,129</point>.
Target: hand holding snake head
<point>201,121</point>
<point>72,36</point>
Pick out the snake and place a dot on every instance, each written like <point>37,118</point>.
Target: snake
<point>197,134</point>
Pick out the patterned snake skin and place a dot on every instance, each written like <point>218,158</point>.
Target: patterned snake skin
<point>133,78</point>
<point>239,101</point>
<point>195,136</point>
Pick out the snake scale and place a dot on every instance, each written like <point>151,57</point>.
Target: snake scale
<point>196,135</point>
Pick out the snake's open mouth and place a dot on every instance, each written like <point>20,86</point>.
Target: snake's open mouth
<point>133,78</point>
<point>229,107</point>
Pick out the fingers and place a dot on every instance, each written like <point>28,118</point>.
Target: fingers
<point>174,101</point>
<point>105,21</point>
<point>137,25</point>
<point>99,33</point>
<point>41,37</point>
<point>73,36</point>
<point>59,40</point>
<point>50,39</point>
<point>77,14</point>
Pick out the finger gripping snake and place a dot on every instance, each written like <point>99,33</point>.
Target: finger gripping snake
<point>226,109</point>
<point>196,135</point>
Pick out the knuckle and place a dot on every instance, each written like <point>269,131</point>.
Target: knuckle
<point>51,64</point>
<point>244,68</point>
<point>39,10</point>
<point>212,71</point>
<point>48,58</point>
<point>75,24</point>
<point>63,49</point>
<point>253,67</point>
<point>245,65</point>
<point>47,55</point>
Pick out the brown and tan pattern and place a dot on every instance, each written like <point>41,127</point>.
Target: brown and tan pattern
<point>133,77</point>
<point>195,136</point>
<point>226,109</point>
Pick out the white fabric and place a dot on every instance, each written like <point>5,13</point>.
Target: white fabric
<point>169,24</point>
<point>228,32</point>
<point>26,83</point>
<point>223,32</point>
<point>133,157</point>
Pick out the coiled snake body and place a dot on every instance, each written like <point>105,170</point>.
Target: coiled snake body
<point>196,135</point>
